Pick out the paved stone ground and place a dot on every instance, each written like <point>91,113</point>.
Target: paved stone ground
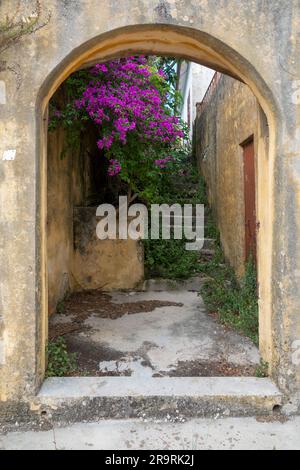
<point>176,340</point>
<point>228,433</point>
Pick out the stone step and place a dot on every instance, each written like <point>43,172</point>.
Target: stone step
<point>207,252</point>
<point>170,398</point>
<point>178,220</point>
<point>157,285</point>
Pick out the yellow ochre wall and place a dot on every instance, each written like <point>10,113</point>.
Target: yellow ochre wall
<point>228,118</point>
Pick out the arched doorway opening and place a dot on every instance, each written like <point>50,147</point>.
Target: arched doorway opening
<point>201,48</point>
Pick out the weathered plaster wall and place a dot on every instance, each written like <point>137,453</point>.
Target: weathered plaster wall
<point>227,120</point>
<point>59,218</point>
<point>256,41</point>
<point>103,264</point>
<point>65,188</point>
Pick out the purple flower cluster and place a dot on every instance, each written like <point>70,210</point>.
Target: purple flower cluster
<point>161,163</point>
<point>122,100</point>
<point>114,167</point>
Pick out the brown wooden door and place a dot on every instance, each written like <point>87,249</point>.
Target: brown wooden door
<point>249,194</point>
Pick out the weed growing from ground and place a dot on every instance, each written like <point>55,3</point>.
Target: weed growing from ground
<point>262,369</point>
<point>60,362</point>
<point>234,301</point>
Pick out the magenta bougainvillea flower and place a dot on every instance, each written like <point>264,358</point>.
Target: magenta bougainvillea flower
<point>161,162</point>
<point>123,100</point>
<point>114,167</point>
<point>127,100</point>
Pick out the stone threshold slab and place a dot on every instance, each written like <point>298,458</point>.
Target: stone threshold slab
<point>75,399</point>
<point>76,387</point>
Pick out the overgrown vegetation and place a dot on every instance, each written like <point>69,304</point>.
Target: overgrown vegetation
<point>181,184</point>
<point>169,259</point>
<point>60,362</point>
<point>262,369</point>
<point>234,301</point>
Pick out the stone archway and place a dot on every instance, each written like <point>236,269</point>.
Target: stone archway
<point>156,30</point>
<point>166,40</point>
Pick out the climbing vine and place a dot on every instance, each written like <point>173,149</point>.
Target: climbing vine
<point>130,102</point>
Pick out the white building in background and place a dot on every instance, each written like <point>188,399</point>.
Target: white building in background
<point>193,83</point>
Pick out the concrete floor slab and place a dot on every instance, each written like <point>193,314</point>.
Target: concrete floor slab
<point>228,433</point>
<point>180,339</point>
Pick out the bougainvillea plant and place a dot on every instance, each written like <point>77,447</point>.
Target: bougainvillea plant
<point>127,100</point>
